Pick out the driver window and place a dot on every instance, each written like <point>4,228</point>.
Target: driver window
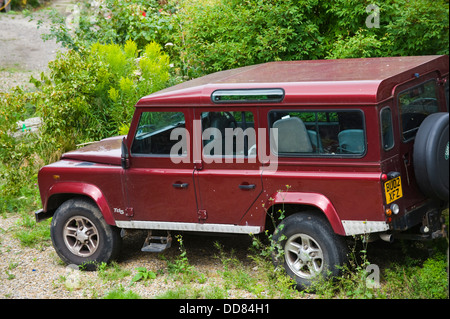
<point>154,133</point>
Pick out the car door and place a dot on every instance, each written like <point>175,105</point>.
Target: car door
<point>159,182</point>
<point>227,177</point>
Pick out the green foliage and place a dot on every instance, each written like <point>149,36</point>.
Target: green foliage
<point>226,34</point>
<point>90,93</point>
<point>32,234</point>
<point>181,269</point>
<point>427,281</point>
<point>405,28</point>
<point>203,36</point>
<point>22,4</point>
<point>143,274</point>
<point>114,21</point>
<point>18,174</point>
<point>121,293</point>
<point>111,271</point>
<point>223,34</point>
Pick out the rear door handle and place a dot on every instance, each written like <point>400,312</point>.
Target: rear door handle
<point>247,186</point>
<point>180,185</point>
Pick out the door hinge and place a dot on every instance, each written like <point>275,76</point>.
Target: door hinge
<point>198,165</point>
<point>129,211</point>
<point>202,215</point>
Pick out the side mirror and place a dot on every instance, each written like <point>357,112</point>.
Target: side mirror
<point>125,158</point>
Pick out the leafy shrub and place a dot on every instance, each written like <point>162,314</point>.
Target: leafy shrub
<point>405,28</point>
<point>223,34</point>
<point>90,93</point>
<point>226,34</point>
<point>113,21</point>
<point>17,154</point>
<point>204,36</point>
<point>429,281</point>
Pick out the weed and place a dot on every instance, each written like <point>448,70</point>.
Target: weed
<point>112,271</point>
<point>181,269</point>
<point>183,292</point>
<point>416,282</point>
<point>32,234</point>
<point>121,293</point>
<point>143,274</point>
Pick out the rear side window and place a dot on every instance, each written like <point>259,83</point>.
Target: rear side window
<point>387,131</point>
<point>318,133</point>
<point>415,105</point>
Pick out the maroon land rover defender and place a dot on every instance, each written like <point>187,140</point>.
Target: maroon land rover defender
<point>363,145</point>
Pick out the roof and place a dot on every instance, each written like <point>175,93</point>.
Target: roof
<point>365,80</point>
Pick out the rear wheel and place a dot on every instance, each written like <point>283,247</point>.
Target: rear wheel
<point>311,248</point>
<point>81,236</point>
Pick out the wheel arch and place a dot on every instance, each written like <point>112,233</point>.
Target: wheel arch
<point>62,192</point>
<point>297,202</point>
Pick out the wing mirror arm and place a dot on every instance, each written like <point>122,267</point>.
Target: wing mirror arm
<point>125,157</point>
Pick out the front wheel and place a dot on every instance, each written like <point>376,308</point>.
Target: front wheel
<point>81,236</point>
<point>311,248</point>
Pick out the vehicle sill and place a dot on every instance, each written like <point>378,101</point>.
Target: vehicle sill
<point>197,227</point>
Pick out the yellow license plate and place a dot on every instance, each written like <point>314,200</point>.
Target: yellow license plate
<point>393,189</point>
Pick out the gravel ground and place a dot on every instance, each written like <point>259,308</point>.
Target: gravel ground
<point>23,53</point>
<point>31,273</point>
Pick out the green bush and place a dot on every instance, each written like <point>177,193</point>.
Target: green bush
<point>18,176</point>
<point>405,28</point>
<point>204,36</point>
<point>225,34</point>
<point>429,281</point>
<point>222,34</point>
<point>114,21</point>
<point>90,94</point>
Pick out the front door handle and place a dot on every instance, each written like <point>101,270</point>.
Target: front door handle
<point>247,186</point>
<point>180,185</point>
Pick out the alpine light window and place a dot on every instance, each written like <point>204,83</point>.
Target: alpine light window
<point>248,96</point>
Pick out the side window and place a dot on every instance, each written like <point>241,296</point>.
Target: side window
<point>318,133</point>
<point>415,105</point>
<point>387,131</point>
<point>154,134</point>
<point>228,134</point>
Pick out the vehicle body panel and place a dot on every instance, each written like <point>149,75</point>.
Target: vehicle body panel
<point>195,194</point>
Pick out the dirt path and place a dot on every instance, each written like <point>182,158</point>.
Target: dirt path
<point>22,51</point>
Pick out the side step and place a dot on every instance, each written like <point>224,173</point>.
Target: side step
<point>156,244</point>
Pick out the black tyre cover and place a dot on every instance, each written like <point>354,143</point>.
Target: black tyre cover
<point>431,154</point>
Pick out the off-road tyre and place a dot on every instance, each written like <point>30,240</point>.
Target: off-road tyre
<point>81,236</point>
<point>311,249</point>
<point>431,155</point>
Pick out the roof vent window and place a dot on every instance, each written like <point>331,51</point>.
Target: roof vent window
<point>248,96</point>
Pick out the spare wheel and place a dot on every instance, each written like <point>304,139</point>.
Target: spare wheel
<point>431,153</point>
